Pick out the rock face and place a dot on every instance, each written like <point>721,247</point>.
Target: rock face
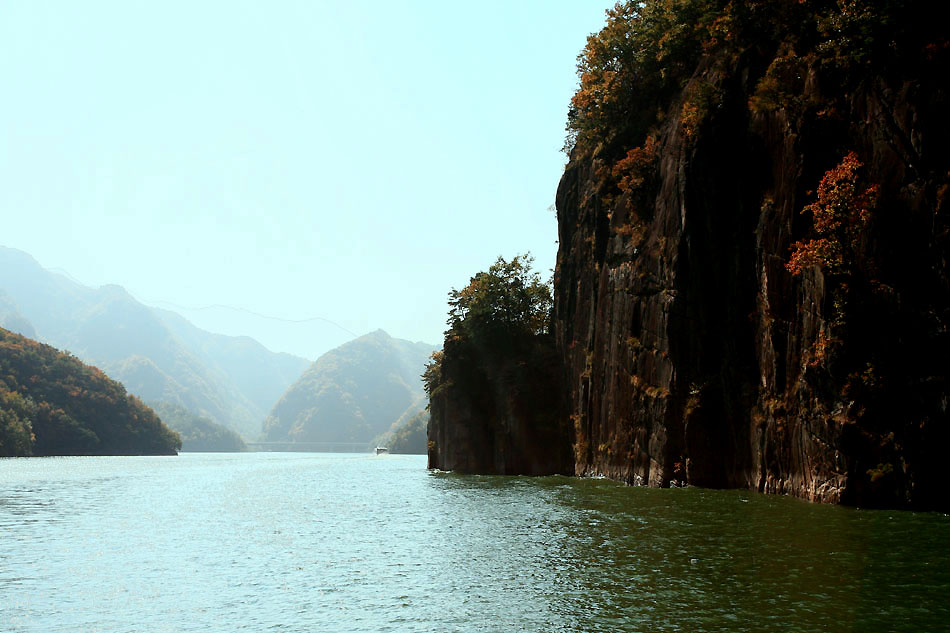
<point>752,287</point>
<point>499,412</point>
<point>691,354</point>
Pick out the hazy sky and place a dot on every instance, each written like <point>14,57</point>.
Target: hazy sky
<point>343,162</point>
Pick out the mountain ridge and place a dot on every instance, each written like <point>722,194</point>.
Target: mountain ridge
<point>353,393</point>
<point>161,355</point>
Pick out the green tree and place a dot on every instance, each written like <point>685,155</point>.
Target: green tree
<point>509,301</point>
<point>16,429</point>
<point>499,315</point>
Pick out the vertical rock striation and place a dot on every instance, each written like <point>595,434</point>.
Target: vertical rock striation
<point>693,355</point>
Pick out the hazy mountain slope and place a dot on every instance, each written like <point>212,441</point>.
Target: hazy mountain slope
<point>11,319</point>
<point>158,355</point>
<point>352,393</point>
<point>198,434</point>
<point>409,436</point>
<point>418,406</point>
<point>30,287</point>
<point>260,374</point>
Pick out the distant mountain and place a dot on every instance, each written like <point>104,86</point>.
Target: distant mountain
<point>158,355</point>
<point>409,436</point>
<point>198,434</point>
<point>258,373</point>
<point>53,404</point>
<point>416,408</point>
<point>353,393</point>
<point>11,319</point>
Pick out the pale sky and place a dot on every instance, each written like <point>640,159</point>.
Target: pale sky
<point>347,163</point>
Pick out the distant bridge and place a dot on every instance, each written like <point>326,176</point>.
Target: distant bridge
<point>310,447</point>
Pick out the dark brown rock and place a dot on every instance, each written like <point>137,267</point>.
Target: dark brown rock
<point>500,411</point>
<point>689,349</point>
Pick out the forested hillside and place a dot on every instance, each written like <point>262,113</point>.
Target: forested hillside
<point>53,404</point>
<point>410,438</point>
<point>353,393</point>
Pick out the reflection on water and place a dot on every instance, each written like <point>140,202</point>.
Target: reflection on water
<point>302,542</point>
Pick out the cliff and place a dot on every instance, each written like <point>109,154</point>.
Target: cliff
<point>694,349</point>
<point>497,409</point>
<point>495,399</point>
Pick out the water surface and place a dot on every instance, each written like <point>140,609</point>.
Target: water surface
<point>329,542</point>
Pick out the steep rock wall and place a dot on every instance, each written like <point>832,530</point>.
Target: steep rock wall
<point>691,353</point>
<point>499,411</point>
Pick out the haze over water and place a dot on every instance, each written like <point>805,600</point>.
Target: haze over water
<point>315,542</point>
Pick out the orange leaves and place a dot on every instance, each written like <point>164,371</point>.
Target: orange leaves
<point>819,252</point>
<point>631,170</point>
<point>841,204</point>
<point>841,212</point>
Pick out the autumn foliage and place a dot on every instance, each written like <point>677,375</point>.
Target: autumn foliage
<point>53,404</point>
<point>632,170</point>
<point>637,66</point>
<point>508,301</point>
<point>840,215</point>
<point>633,65</point>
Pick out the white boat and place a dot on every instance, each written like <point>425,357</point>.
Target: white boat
<point>382,450</point>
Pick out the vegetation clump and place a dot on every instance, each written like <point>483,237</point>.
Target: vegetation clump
<point>498,314</point>
<point>841,212</point>
<point>509,301</point>
<point>633,67</point>
<point>654,54</point>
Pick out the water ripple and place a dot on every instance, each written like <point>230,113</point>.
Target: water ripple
<point>299,542</point>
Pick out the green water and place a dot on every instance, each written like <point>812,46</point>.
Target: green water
<point>310,542</point>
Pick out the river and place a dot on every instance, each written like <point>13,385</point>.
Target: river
<point>351,543</point>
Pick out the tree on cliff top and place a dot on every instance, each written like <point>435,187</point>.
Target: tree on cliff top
<point>500,311</point>
<point>508,300</point>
